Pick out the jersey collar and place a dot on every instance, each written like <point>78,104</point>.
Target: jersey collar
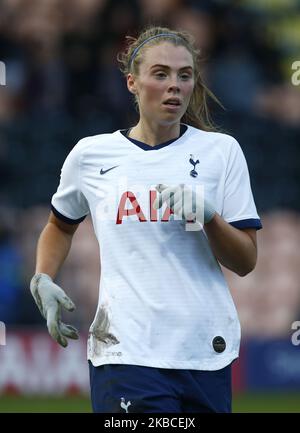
<point>144,146</point>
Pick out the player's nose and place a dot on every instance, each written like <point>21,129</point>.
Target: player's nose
<point>173,85</point>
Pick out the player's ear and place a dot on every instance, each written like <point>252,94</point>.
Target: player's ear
<point>131,84</point>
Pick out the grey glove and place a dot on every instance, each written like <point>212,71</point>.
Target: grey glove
<point>49,297</point>
<point>185,203</point>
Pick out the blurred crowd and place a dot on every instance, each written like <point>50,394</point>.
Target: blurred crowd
<point>63,83</point>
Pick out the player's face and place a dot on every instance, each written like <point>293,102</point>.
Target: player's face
<point>165,83</point>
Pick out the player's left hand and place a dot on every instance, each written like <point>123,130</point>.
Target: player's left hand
<point>185,203</point>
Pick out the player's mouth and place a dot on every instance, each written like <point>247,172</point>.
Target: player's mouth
<point>172,103</point>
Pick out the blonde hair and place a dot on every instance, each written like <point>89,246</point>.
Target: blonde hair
<point>197,113</point>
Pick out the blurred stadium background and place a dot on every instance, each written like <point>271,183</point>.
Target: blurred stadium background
<point>62,83</point>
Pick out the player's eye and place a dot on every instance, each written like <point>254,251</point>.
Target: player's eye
<point>160,74</point>
<point>185,76</point>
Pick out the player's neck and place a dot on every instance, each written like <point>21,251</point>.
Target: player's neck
<point>154,134</point>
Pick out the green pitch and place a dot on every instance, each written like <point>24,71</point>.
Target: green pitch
<point>45,404</point>
<point>258,402</point>
<point>267,402</point>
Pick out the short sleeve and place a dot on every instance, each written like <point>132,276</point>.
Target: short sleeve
<point>239,207</point>
<point>69,203</point>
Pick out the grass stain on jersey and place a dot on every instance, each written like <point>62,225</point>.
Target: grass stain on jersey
<point>100,329</point>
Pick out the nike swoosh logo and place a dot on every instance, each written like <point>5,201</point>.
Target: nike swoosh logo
<point>105,171</point>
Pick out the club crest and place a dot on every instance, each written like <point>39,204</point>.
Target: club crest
<point>193,172</point>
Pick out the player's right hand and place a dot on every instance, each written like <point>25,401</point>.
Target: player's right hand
<point>185,203</point>
<point>49,298</point>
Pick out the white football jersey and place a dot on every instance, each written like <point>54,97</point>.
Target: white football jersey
<point>163,299</point>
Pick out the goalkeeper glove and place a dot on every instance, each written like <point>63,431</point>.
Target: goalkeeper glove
<point>49,298</point>
<point>185,203</point>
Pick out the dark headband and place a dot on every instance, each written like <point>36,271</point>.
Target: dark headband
<point>136,50</point>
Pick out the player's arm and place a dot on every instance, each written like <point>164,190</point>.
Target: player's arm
<point>234,248</point>
<point>53,247</point>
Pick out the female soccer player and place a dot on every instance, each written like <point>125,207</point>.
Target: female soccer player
<point>170,201</point>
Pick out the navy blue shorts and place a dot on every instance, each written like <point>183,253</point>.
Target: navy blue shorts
<point>117,388</point>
